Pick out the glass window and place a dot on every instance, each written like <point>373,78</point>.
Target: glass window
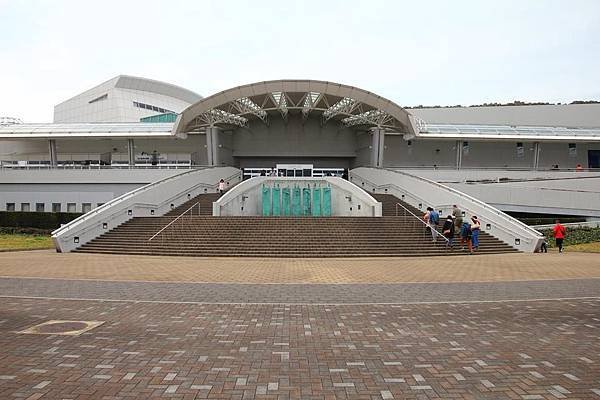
<point>39,207</point>
<point>56,207</point>
<point>86,207</point>
<point>10,207</point>
<point>24,206</point>
<point>71,207</point>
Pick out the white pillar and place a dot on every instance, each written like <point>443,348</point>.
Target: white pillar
<point>377,147</point>
<point>212,145</point>
<point>131,152</point>
<point>52,152</point>
<point>459,154</point>
<point>536,155</point>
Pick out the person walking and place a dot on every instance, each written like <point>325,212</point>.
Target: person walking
<point>448,231</point>
<point>559,235</point>
<point>221,187</point>
<point>475,228</point>
<point>458,217</point>
<point>429,219</point>
<point>465,236</point>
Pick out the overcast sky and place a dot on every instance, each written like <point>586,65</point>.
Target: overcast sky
<point>417,52</point>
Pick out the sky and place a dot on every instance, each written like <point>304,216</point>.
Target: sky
<point>411,52</point>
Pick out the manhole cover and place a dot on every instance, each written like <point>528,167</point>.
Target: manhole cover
<point>56,327</point>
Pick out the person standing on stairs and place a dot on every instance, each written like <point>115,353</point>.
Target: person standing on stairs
<point>448,231</point>
<point>428,218</point>
<point>221,187</point>
<point>458,217</point>
<point>475,228</point>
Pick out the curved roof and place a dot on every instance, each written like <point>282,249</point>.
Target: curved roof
<point>154,86</point>
<point>348,105</point>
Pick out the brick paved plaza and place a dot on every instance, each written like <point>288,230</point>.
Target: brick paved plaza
<point>486,327</point>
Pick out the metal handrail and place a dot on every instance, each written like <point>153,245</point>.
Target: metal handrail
<point>420,220</point>
<point>176,218</point>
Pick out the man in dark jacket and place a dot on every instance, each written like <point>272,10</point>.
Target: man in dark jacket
<point>448,231</point>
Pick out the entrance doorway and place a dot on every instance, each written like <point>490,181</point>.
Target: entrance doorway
<point>593,158</point>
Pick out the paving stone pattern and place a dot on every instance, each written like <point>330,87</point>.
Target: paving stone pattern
<point>519,350</point>
<point>299,293</point>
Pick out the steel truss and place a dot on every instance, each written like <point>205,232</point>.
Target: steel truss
<point>347,111</point>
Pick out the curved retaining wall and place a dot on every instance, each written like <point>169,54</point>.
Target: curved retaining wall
<point>152,200</point>
<point>347,199</point>
<point>421,193</point>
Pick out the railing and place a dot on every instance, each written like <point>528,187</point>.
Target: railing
<point>586,224</point>
<point>98,167</point>
<point>421,221</point>
<point>179,217</point>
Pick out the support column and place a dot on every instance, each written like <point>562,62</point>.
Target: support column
<point>131,152</point>
<point>52,151</point>
<point>536,155</point>
<point>212,145</point>
<point>377,147</point>
<point>459,154</point>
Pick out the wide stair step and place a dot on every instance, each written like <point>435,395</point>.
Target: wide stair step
<point>199,234</point>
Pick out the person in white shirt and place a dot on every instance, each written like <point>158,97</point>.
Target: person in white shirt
<point>221,187</point>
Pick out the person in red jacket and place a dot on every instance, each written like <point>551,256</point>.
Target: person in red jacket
<point>559,235</point>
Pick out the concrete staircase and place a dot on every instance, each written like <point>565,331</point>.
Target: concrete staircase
<point>204,235</point>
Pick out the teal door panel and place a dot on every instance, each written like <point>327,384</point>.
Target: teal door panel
<point>276,202</point>
<point>286,202</point>
<point>306,201</point>
<point>296,210</point>
<point>316,202</point>
<point>327,202</point>
<point>266,201</point>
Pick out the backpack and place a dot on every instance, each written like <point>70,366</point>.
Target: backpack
<point>434,217</point>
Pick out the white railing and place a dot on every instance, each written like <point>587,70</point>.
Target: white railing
<point>178,218</point>
<point>586,224</point>
<point>151,200</point>
<point>420,191</point>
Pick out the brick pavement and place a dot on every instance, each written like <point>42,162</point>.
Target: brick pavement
<point>299,293</point>
<point>522,350</point>
<point>506,267</point>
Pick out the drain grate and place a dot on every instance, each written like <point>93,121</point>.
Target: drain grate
<point>59,327</point>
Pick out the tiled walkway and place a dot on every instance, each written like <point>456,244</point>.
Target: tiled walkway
<point>504,267</point>
<point>192,329</point>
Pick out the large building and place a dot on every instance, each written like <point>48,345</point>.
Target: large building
<point>300,127</point>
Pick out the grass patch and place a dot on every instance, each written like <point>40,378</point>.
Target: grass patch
<point>24,242</point>
<point>585,247</point>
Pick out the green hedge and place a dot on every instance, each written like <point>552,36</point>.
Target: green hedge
<point>575,236</point>
<point>35,220</point>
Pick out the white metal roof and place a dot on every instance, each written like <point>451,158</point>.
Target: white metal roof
<point>504,132</point>
<point>86,130</point>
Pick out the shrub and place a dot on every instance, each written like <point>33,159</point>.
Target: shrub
<point>575,236</point>
<point>38,220</point>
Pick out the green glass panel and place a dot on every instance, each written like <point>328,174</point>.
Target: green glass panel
<point>296,210</point>
<point>266,201</point>
<point>285,202</point>
<point>316,202</point>
<point>306,201</point>
<point>327,202</point>
<point>276,201</point>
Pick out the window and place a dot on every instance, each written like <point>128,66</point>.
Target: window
<point>572,149</point>
<point>10,207</point>
<point>520,149</point>
<point>103,97</point>
<point>39,207</point>
<point>56,207</point>
<point>86,207</point>
<point>71,207</point>
<point>152,108</point>
<point>24,206</point>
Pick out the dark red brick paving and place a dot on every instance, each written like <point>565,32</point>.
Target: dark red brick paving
<point>515,350</point>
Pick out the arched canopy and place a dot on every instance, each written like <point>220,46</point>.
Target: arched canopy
<point>347,105</point>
